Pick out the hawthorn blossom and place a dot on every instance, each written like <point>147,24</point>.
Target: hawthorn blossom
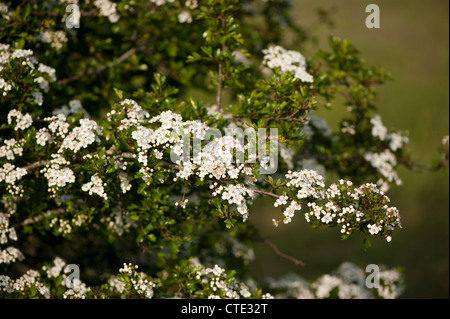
<point>282,200</point>
<point>43,136</point>
<point>12,149</point>
<point>55,38</point>
<point>95,186</point>
<point>385,163</point>
<point>278,57</point>
<point>81,136</point>
<point>396,141</point>
<point>184,17</point>
<point>108,9</point>
<point>378,129</point>
<point>161,2</point>
<point>374,229</point>
<point>10,255</point>
<point>23,121</point>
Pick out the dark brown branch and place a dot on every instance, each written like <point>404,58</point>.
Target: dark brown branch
<point>281,254</point>
<point>420,167</point>
<point>37,164</point>
<point>219,86</point>
<point>258,191</point>
<point>99,70</point>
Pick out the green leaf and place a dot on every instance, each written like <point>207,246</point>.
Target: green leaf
<point>142,188</point>
<point>119,93</point>
<point>367,244</point>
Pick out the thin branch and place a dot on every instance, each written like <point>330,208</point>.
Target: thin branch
<point>219,86</point>
<point>258,191</point>
<point>281,254</point>
<point>220,72</point>
<point>35,165</point>
<point>99,70</point>
<point>420,167</point>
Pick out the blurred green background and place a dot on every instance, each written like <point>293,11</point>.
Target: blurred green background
<point>413,45</point>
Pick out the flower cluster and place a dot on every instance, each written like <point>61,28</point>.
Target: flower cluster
<point>218,285</point>
<point>396,140</point>
<point>355,208</point>
<point>136,282</point>
<point>108,9</point>
<point>58,173</point>
<point>58,125</point>
<point>11,148</point>
<point>308,182</point>
<point>378,129</point>
<point>348,281</point>
<point>215,161</point>
<point>61,226</point>
<point>4,11</point>
<point>23,121</point>
<point>316,124</point>
<point>161,2</point>
<point>235,195</point>
<point>81,136</point>
<point>125,184</point>
<point>10,255</point>
<point>95,186</point>
<point>385,163</point>
<point>364,208</point>
<point>10,174</point>
<point>28,281</point>
<point>55,38</point>
<point>6,231</point>
<point>43,136</point>
<point>41,74</point>
<point>185,16</point>
<point>55,270</point>
<point>287,61</point>
<point>74,107</point>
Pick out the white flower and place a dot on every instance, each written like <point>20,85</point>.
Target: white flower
<point>38,98</point>
<point>57,175</point>
<point>12,148</point>
<point>327,219</point>
<point>11,174</point>
<point>95,186</point>
<point>307,181</point>
<point>282,200</point>
<point>81,136</point>
<point>374,229</point>
<point>42,136</point>
<point>278,57</point>
<point>124,182</point>
<point>378,129</point>
<point>385,163</point>
<point>397,141</point>
<point>23,121</point>
<point>51,72</point>
<point>184,17</point>
<point>5,86</point>
<point>108,9</point>
<point>445,140</point>
<point>191,4</point>
<point>161,2</point>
